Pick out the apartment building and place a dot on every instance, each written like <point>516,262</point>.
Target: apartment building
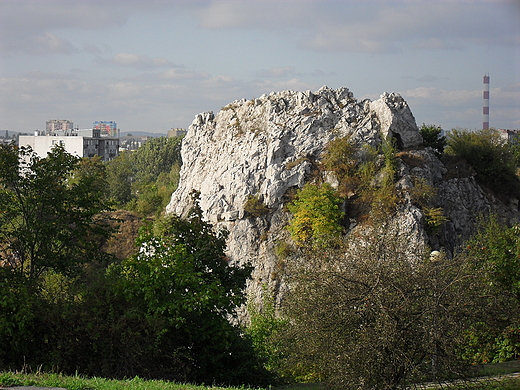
<point>82,143</point>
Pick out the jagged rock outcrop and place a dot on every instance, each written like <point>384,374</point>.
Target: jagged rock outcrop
<point>265,147</point>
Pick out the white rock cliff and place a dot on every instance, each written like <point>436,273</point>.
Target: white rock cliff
<point>266,146</point>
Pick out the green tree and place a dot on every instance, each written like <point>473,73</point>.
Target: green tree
<point>183,284</point>
<point>143,181</point>
<point>432,137</point>
<point>495,251</point>
<point>156,156</point>
<point>120,176</point>
<point>50,226</point>
<point>515,151</point>
<point>340,158</point>
<point>48,211</point>
<point>368,316</point>
<point>489,155</point>
<point>264,329</point>
<point>316,215</point>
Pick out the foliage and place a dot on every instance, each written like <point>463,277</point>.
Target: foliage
<point>379,191</point>
<point>340,158</point>
<point>143,181</point>
<point>421,192</point>
<point>255,207</point>
<point>162,313</point>
<point>283,250</point>
<point>434,218</point>
<point>182,268</point>
<point>365,316</point>
<point>489,155</point>
<point>48,209</point>
<point>156,156</point>
<point>495,251</point>
<point>120,176</point>
<point>264,328</point>
<point>182,283</point>
<point>49,228</point>
<point>316,215</point>
<point>515,151</point>
<point>366,175</point>
<point>432,137</point>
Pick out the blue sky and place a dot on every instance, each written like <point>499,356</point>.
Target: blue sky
<point>153,65</point>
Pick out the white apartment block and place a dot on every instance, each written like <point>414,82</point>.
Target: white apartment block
<point>81,143</point>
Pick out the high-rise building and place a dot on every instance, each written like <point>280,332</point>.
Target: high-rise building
<point>107,128</point>
<point>54,125</point>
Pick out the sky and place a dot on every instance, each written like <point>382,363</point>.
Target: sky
<point>154,65</point>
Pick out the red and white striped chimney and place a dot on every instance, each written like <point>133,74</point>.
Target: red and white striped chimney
<point>485,111</point>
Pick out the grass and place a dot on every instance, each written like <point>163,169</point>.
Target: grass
<point>80,383</point>
<point>498,368</point>
<point>491,371</point>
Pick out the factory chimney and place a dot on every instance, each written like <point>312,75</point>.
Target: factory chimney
<point>485,111</point>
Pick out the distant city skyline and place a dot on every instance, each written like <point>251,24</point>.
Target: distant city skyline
<point>152,66</point>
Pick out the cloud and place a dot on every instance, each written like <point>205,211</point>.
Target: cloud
<point>443,97</point>
<point>294,84</point>
<point>275,72</point>
<point>51,44</point>
<point>463,107</point>
<point>183,74</point>
<point>374,27</point>
<point>37,27</point>
<point>428,78</point>
<point>225,14</point>
<point>139,61</point>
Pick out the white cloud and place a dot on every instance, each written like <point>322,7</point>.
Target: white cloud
<point>183,74</point>
<point>50,43</point>
<point>139,61</point>
<point>464,108</point>
<point>275,72</point>
<point>254,14</point>
<point>443,97</point>
<point>294,84</point>
<point>375,26</point>
<point>36,27</point>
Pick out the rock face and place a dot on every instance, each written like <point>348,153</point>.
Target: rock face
<point>267,146</point>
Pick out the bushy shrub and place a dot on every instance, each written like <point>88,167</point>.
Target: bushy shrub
<point>264,329</point>
<point>316,215</point>
<point>489,155</point>
<point>434,218</point>
<point>432,137</point>
<point>255,207</point>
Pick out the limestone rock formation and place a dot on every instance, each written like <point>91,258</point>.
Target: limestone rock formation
<point>265,147</point>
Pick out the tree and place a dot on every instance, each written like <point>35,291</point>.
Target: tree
<point>495,252</point>
<point>143,181</point>
<point>49,227</point>
<point>156,156</point>
<point>489,155</point>
<point>182,283</point>
<point>366,316</point>
<point>120,176</point>
<point>48,209</point>
<point>316,215</point>
<point>432,137</point>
